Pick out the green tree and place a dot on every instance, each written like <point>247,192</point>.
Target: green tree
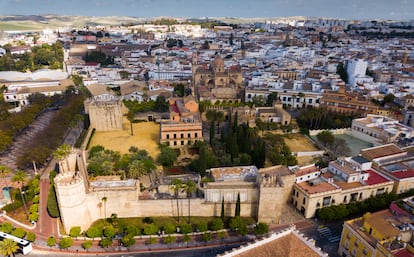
<point>186,239</point>
<point>30,236</point>
<point>325,137</point>
<point>341,71</point>
<point>94,231</point>
<point>20,178</point>
<point>169,228</point>
<point>151,241</point>
<point>150,229</point>
<point>189,187</point>
<point>51,241</point>
<point>202,227</point>
<point>186,228</point>
<point>261,228</point>
<point>6,227</point>
<point>207,236</point>
<point>52,205</point>
<point>221,234</point>
<point>131,117</point>
<point>75,231</point>
<point>109,231</point>
<point>105,242</point>
<point>170,239</point>
<point>19,232</point>
<point>177,187</point>
<point>167,156</point>
<point>216,224</point>
<point>87,244</point>
<point>8,247</point>
<point>237,210</point>
<point>128,240</point>
<point>60,154</point>
<point>65,243</point>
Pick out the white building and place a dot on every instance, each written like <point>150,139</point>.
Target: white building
<point>380,130</point>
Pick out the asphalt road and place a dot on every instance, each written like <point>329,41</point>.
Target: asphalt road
<point>191,252</point>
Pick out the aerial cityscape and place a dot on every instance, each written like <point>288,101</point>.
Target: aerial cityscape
<point>207,128</point>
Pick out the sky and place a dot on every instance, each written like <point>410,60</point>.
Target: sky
<point>344,9</point>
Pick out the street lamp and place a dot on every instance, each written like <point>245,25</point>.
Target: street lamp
<point>24,203</point>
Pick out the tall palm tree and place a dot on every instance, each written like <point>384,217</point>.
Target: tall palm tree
<point>190,187</point>
<point>8,247</point>
<point>131,116</point>
<point>61,153</point>
<point>177,186</point>
<point>20,178</point>
<point>149,167</point>
<point>4,173</point>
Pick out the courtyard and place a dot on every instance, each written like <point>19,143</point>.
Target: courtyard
<point>146,136</point>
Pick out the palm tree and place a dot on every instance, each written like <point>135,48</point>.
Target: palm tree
<point>131,116</point>
<point>176,186</point>
<point>8,247</point>
<point>149,167</point>
<point>61,153</point>
<point>20,178</point>
<point>190,187</point>
<point>136,169</point>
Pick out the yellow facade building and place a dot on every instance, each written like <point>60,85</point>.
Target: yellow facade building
<point>386,233</point>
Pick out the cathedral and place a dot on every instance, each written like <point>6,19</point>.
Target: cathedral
<point>214,81</point>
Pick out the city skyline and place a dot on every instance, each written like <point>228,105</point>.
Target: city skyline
<point>352,9</point>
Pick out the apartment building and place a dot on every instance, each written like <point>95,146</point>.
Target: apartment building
<point>348,180</point>
<point>384,233</point>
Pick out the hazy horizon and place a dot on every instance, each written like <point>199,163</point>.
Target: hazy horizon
<point>341,9</point>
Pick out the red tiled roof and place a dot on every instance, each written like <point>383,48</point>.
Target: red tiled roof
<point>375,178</point>
<point>174,108</point>
<point>403,174</point>
<point>403,253</point>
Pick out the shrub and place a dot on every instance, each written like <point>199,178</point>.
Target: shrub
<point>216,224</point>
<point>186,228</point>
<point>202,227</point>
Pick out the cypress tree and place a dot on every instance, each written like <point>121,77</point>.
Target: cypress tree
<point>222,209</point>
<point>237,211</point>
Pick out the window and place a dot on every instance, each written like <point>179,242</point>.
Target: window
<point>182,142</point>
<point>189,135</point>
<point>345,199</point>
<point>168,136</point>
<point>326,201</point>
<point>380,191</point>
<point>310,101</point>
<point>175,142</point>
<point>196,135</point>
<point>354,197</point>
<point>182,135</point>
<point>175,135</point>
<point>304,201</point>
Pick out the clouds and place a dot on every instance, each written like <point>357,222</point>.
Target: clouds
<point>350,9</point>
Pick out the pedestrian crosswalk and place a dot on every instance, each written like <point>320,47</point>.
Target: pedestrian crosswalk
<point>330,235</point>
